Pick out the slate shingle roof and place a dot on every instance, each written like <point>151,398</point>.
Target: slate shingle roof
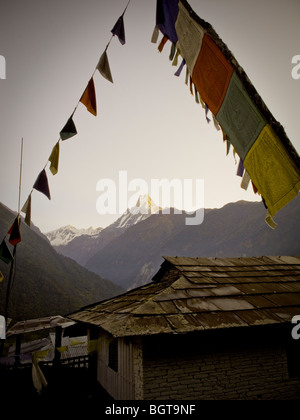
<point>194,294</point>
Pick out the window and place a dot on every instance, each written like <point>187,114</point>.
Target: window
<point>113,355</point>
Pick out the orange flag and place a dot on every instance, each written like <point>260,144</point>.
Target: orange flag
<point>89,98</point>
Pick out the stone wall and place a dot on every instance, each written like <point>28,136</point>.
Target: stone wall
<point>195,370</point>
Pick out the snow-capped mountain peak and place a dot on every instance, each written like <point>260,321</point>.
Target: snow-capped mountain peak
<point>66,234</point>
<point>144,208</point>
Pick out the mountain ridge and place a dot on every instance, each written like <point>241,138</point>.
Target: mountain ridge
<point>236,230</point>
<point>82,247</point>
<point>46,283</point>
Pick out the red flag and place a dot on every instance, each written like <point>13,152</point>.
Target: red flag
<point>14,232</point>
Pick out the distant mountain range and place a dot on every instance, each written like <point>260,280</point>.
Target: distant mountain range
<point>130,253</point>
<point>66,234</point>
<point>46,283</point>
<point>82,244</point>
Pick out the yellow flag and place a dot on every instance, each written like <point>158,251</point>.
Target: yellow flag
<point>63,348</point>
<point>27,210</point>
<point>40,354</point>
<point>77,342</point>
<point>1,277</point>
<point>54,158</point>
<point>93,346</point>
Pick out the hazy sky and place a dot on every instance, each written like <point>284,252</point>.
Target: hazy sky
<point>148,124</point>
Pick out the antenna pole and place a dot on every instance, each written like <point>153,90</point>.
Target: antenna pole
<point>13,263</point>
<point>20,180</point>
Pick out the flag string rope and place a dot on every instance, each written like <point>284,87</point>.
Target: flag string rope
<point>41,183</point>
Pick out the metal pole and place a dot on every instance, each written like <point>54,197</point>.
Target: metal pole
<point>20,180</point>
<point>12,264</point>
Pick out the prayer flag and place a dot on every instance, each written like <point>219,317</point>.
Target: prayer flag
<point>212,74</point>
<point>27,210</point>
<point>270,161</point>
<point>240,118</point>
<point>119,30</point>
<point>41,184</point>
<point>62,349</point>
<point>104,68</point>
<point>69,130</point>
<point>5,254</point>
<point>190,36</point>
<point>271,169</point>
<point>14,232</point>
<point>166,15</point>
<point>93,345</point>
<point>89,98</point>
<point>54,158</point>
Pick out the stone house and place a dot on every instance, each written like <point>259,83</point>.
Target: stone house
<point>204,328</point>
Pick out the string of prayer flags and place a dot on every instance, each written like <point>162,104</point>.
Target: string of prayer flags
<point>41,184</point>
<point>119,30</point>
<point>5,254</point>
<point>104,68</point>
<point>267,157</point>
<point>27,210</point>
<point>14,232</point>
<point>54,159</point>
<point>88,98</point>
<point>69,129</point>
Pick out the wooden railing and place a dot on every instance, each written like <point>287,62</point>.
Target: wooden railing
<point>72,362</point>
